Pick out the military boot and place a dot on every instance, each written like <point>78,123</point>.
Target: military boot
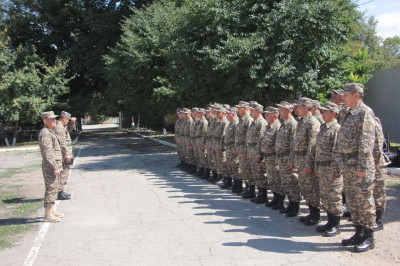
<point>273,201</point>
<point>279,202</point>
<point>49,216</point>
<point>367,242</point>
<point>62,196</point>
<point>246,189</point>
<point>219,180</point>
<point>262,197</point>
<point>193,169</point>
<point>213,177</point>
<point>57,214</point>
<point>251,193</point>
<point>239,186</point>
<point>295,210</point>
<point>379,222</point>
<point>287,209</point>
<point>327,226</point>
<point>334,229</point>
<point>356,239</point>
<point>315,216</point>
<point>228,183</point>
<point>206,174</point>
<point>200,172</point>
<point>307,217</point>
<point>66,194</point>
<point>256,197</point>
<point>179,164</point>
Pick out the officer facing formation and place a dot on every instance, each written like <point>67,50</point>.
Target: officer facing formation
<point>327,150</point>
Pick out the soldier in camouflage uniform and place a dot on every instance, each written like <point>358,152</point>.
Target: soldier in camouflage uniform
<point>210,130</point>
<point>268,153</point>
<point>381,163</point>
<point>232,161</point>
<point>330,180</point>
<point>52,149</point>
<point>201,131</point>
<point>301,157</point>
<point>315,106</point>
<point>213,125</point>
<point>186,141</point>
<point>245,121</point>
<point>193,139</point>
<point>177,127</point>
<point>253,155</point>
<point>62,130</point>
<point>283,148</point>
<point>355,144</point>
<point>219,142</point>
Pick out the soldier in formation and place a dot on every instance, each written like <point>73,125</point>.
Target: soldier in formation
<point>325,153</point>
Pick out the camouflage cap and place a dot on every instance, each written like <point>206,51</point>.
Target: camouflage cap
<point>186,111</point>
<point>340,92</point>
<point>65,114</point>
<point>208,109</point>
<point>329,106</point>
<point>48,114</point>
<point>232,110</point>
<point>226,106</point>
<point>242,104</point>
<point>304,101</point>
<point>353,87</point>
<point>178,110</point>
<point>256,106</point>
<point>285,105</point>
<point>271,109</point>
<point>201,110</point>
<point>220,109</point>
<point>195,109</point>
<point>316,103</point>
<point>215,105</point>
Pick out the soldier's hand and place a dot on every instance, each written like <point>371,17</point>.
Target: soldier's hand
<point>220,152</point>
<point>203,148</point>
<point>276,163</point>
<point>235,153</point>
<point>316,174</point>
<point>377,166</point>
<point>57,173</point>
<point>291,166</point>
<point>68,159</point>
<point>246,156</point>
<point>257,159</point>
<point>333,178</point>
<point>361,174</point>
<point>307,170</point>
<point>73,119</point>
<point>214,152</point>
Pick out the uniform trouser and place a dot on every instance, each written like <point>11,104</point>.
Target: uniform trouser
<point>51,184</point>
<point>232,164</point>
<point>63,178</point>
<point>330,191</point>
<point>202,157</point>
<point>273,177</point>
<point>244,166</point>
<point>178,151</point>
<point>290,181</point>
<point>255,175</point>
<point>359,195</point>
<point>196,154</point>
<point>210,159</point>
<point>309,184</point>
<point>189,154</point>
<point>379,188</point>
<point>220,163</point>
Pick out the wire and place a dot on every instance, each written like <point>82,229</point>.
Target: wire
<point>366,2</point>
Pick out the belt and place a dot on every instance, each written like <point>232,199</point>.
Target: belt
<point>252,144</point>
<point>349,155</point>
<point>286,153</point>
<point>326,163</point>
<point>300,153</point>
<point>240,143</point>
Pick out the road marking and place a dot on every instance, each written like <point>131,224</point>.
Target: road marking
<point>30,259</point>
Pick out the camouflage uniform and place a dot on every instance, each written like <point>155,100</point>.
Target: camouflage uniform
<point>232,161</point>
<point>283,147</point>
<point>219,143</point>
<point>354,148</point>
<point>189,152</point>
<point>267,149</point>
<point>318,116</point>
<point>51,148</point>
<point>209,140</point>
<point>240,143</point>
<point>253,143</point>
<point>193,138</point>
<point>383,161</point>
<point>182,138</point>
<point>201,131</point>
<point>178,125</point>
<point>330,190</point>
<point>303,145</point>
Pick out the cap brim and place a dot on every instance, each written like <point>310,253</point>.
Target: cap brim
<point>323,108</point>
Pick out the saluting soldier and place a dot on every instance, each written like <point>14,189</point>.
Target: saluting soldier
<point>51,148</point>
<point>208,144</point>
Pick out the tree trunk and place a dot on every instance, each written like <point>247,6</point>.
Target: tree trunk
<point>79,123</point>
<point>15,134</point>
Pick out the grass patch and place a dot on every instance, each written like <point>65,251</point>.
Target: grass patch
<point>393,184</point>
<point>10,172</point>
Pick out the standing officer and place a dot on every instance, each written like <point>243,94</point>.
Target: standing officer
<point>189,155</point>
<point>62,132</point>
<point>177,126</point>
<point>283,148</point>
<point>304,142</point>
<point>51,149</point>
<point>330,180</point>
<point>268,154</point>
<point>214,123</point>
<point>201,131</point>
<point>355,145</point>
<point>210,130</point>
<point>193,139</point>
<point>315,106</point>
<point>245,121</point>
<point>253,142</point>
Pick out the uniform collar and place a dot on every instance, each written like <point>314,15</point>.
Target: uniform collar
<point>308,117</point>
<point>288,121</point>
<point>328,125</point>
<point>356,108</point>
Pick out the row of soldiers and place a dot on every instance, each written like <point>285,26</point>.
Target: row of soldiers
<point>56,148</point>
<point>326,152</point>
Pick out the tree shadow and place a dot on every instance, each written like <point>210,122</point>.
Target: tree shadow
<point>22,200</point>
<point>17,221</point>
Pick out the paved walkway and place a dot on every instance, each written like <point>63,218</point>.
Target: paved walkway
<point>131,206</point>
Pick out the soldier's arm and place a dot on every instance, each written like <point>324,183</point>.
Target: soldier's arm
<point>259,139</point>
<point>71,126</point>
<point>60,131</point>
<point>366,141</point>
<point>335,169</point>
<point>46,148</point>
<point>312,137</point>
<point>292,135</point>
<point>222,144</point>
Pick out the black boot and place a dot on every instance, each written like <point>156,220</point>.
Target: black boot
<point>327,226</point>
<point>192,169</point>
<point>206,174</point>
<point>213,177</point>
<point>287,209</point>
<point>304,218</point>
<point>66,194</point>
<point>239,186</point>
<point>200,172</point>
<point>62,196</point>
<point>179,164</point>
<point>367,241</point>
<point>279,202</point>
<point>334,230</point>
<point>356,239</point>
<point>256,197</point>
<point>251,193</point>
<point>379,222</point>
<point>315,216</point>
<point>295,210</point>
<point>186,167</point>
<point>228,183</point>
<point>273,201</point>
<point>262,197</point>
<point>346,212</point>
<point>246,189</point>
<point>219,180</point>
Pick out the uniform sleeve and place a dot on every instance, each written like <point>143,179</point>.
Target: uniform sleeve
<point>46,148</point>
<point>204,133</point>
<point>71,126</point>
<point>312,137</point>
<point>366,141</point>
<point>335,168</point>
<point>292,134</point>
<point>261,132</point>
<point>222,143</point>
<point>59,130</point>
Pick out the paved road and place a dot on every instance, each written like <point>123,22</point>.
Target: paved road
<point>131,206</point>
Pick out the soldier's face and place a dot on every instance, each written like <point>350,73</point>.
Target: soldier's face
<point>302,110</point>
<point>213,109</point>
<point>220,115</point>
<point>50,122</point>
<point>241,111</point>
<point>283,113</point>
<point>350,99</point>
<point>336,98</point>
<point>328,116</point>
<point>64,121</point>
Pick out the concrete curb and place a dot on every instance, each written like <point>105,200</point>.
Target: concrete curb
<point>165,143</point>
<point>36,148</point>
<point>394,171</point>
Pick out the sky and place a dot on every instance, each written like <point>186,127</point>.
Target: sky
<point>387,12</point>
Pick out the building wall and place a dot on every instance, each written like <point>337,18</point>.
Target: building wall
<point>383,96</point>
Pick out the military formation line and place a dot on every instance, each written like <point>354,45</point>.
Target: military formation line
<point>331,156</point>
